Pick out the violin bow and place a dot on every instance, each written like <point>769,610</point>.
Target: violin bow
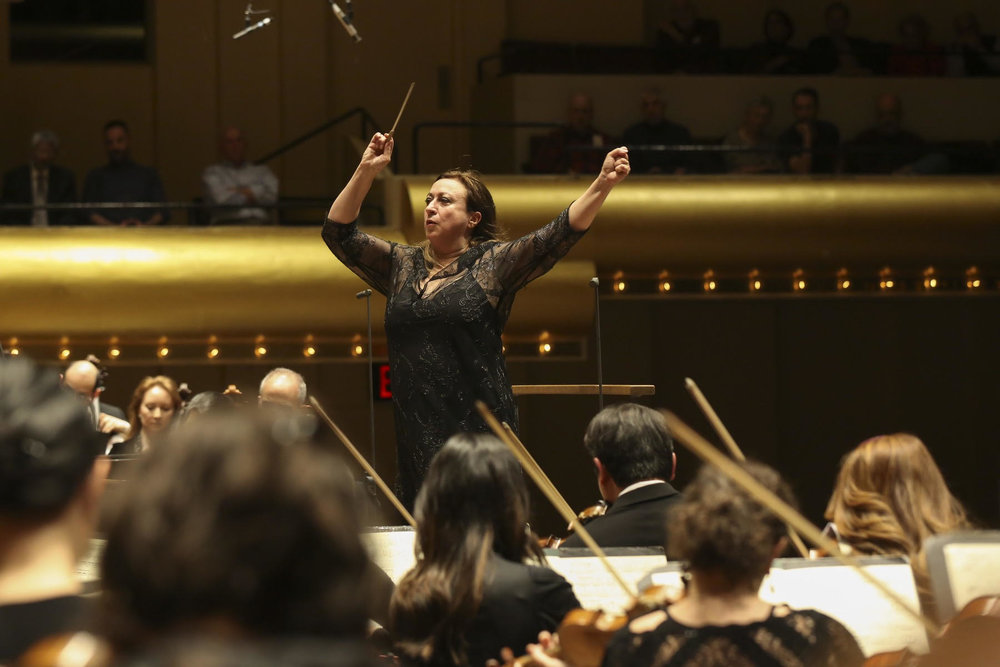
<point>734,449</point>
<point>705,451</point>
<point>363,462</point>
<point>550,491</point>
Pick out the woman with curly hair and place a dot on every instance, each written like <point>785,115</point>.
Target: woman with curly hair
<point>889,498</point>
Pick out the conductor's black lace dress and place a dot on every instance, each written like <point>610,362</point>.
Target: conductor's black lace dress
<point>444,332</point>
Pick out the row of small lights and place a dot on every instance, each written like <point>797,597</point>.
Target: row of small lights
<point>260,349</point>
<point>887,281</point>
<point>213,350</point>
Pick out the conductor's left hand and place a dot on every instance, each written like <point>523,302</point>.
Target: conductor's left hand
<point>616,166</point>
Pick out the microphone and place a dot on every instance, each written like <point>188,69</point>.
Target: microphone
<point>250,28</point>
<point>363,293</point>
<point>596,284</point>
<point>247,18</point>
<point>346,20</point>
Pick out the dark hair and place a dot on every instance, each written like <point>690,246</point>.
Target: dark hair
<point>718,527</point>
<point>916,20</point>
<point>47,441</point>
<point>809,92</point>
<point>116,123</point>
<point>478,200</point>
<point>632,442</point>
<point>842,6</point>
<point>473,503</point>
<point>784,17</point>
<point>234,521</point>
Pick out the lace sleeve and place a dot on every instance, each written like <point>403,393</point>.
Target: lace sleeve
<point>520,261</point>
<point>367,256</point>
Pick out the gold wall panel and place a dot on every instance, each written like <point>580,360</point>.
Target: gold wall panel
<point>222,281</point>
<point>690,223</point>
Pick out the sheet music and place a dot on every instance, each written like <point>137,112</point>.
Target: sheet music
<point>877,623</point>
<point>88,570</point>
<point>972,571</point>
<point>593,584</point>
<point>391,547</point>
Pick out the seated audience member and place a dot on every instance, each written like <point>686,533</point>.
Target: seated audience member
<point>474,590</point>
<point>687,43</point>
<point>231,534</point>
<point>655,130</point>
<point>973,53</point>
<point>283,387</point>
<point>234,181</point>
<point>634,456</point>
<point>151,411</point>
<point>887,148</point>
<point>836,52</point>
<point>51,480</point>
<point>889,498</point>
<point>775,55</point>
<point>809,145</point>
<point>576,147</point>
<point>727,541</point>
<point>753,134</point>
<point>40,182</point>
<point>122,180</point>
<point>915,55</point>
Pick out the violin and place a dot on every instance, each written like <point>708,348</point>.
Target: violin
<point>584,634</point>
<point>598,509</point>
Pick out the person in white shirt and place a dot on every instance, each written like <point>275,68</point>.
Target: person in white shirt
<point>237,182</point>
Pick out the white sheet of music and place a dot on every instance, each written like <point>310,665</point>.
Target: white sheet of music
<point>89,568</point>
<point>972,571</point>
<point>838,591</point>
<point>391,547</point>
<point>593,584</point>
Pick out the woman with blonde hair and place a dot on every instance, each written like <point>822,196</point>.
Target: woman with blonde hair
<point>889,498</point>
<point>155,403</point>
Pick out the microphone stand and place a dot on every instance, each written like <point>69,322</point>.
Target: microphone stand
<point>596,284</point>
<point>366,294</point>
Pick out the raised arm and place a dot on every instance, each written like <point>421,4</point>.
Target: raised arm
<point>347,205</point>
<point>614,170</point>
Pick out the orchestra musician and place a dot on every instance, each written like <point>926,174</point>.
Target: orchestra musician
<point>448,299</point>
<point>238,531</point>
<point>889,498</point>
<point>633,454</point>
<point>727,541</point>
<point>478,584</point>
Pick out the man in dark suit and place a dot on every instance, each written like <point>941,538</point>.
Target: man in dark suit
<point>809,145</point>
<point>85,379</point>
<point>40,182</point>
<point>634,456</point>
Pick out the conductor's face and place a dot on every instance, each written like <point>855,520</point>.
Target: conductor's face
<point>448,224</point>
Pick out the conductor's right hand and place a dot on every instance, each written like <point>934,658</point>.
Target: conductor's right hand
<point>378,153</point>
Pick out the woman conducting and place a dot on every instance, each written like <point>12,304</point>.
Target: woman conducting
<point>448,299</point>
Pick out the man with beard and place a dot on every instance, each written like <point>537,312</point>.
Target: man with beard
<point>122,180</point>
